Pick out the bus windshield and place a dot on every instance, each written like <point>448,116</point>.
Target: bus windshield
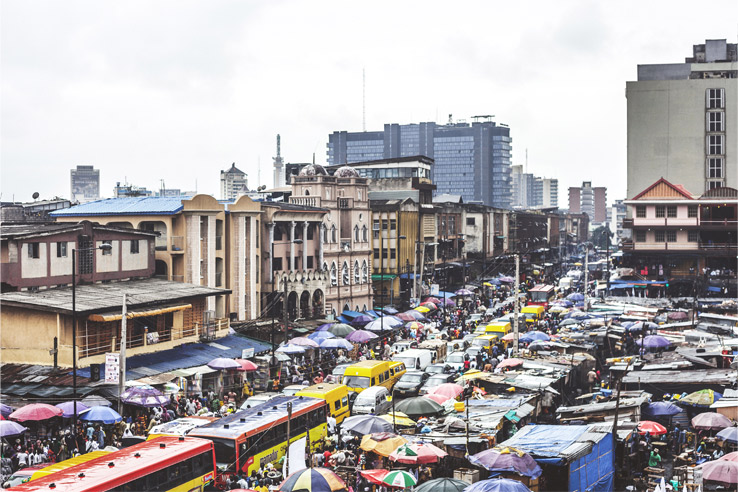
<point>356,381</point>
<point>225,452</point>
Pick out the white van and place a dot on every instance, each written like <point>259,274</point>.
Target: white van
<point>401,346</point>
<point>415,359</point>
<point>373,400</point>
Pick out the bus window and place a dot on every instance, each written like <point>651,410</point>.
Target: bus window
<point>344,401</point>
<point>374,381</point>
<point>386,375</point>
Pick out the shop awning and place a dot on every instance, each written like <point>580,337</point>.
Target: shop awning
<point>382,277</point>
<point>191,371</point>
<point>117,316</point>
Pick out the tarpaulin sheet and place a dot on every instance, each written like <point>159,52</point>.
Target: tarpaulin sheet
<point>545,441</point>
<point>593,472</point>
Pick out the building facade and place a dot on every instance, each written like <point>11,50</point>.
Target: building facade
<point>233,182</point>
<point>470,159</point>
<point>85,184</point>
<point>683,120</point>
<point>589,200</point>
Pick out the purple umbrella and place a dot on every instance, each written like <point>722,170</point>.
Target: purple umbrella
<point>502,459</point>
<point>415,315</point>
<point>10,428</point>
<point>323,327</point>
<point>449,302</point>
<point>361,320</point>
<point>576,296</point>
<point>507,280</point>
<point>6,410</point>
<point>68,408</point>
<point>463,292</point>
<point>497,485</point>
<point>729,435</point>
<point>662,409</point>
<point>321,335</point>
<point>146,396</point>
<point>653,341</point>
<point>222,363</point>
<point>304,341</point>
<point>360,336</point>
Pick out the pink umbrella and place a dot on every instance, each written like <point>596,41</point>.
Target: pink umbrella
<point>247,365</point>
<point>711,421</point>
<point>730,457</point>
<point>510,363</point>
<point>440,399</point>
<point>720,471</point>
<point>414,453</point>
<point>36,411</point>
<point>406,317</point>
<point>449,390</point>
<point>304,342</point>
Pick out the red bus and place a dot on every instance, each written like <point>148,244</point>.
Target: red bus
<point>168,463</point>
<point>541,295</point>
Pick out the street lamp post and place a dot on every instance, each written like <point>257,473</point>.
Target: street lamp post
<point>103,247</point>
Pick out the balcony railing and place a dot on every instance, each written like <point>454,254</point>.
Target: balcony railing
<point>307,201</point>
<point>160,243</point>
<point>177,243</point>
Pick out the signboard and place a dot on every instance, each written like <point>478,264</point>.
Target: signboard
<point>434,289</point>
<point>112,368</point>
<point>247,353</point>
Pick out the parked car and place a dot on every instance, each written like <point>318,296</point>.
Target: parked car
<point>410,383</point>
<point>456,360</point>
<point>252,401</point>
<point>336,374</point>
<point>373,400</point>
<point>436,380</point>
<point>442,368</point>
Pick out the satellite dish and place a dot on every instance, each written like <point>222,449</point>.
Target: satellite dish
<point>35,195</point>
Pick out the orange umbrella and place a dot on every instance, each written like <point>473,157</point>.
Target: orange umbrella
<point>382,443</point>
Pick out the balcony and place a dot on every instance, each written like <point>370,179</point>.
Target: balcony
<point>176,244</point>
<point>720,223</point>
<point>306,201</point>
<point>627,223</point>
<point>208,331</point>
<point>345,203</point>
<point>160,243</point>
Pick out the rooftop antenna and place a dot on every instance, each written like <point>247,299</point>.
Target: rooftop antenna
<point>363,100</point>
<point>450,119</point>
<point>278,163</point>
<point>313,158</point>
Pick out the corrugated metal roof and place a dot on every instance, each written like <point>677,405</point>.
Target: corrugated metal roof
<point>140,205</point>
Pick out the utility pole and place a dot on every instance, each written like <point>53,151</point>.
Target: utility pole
<point>586,273</point>
<point>122,355</point>
<point>517,307</point>
<point>285,317</point>
<point>287,454</point>
<point>607,230</point>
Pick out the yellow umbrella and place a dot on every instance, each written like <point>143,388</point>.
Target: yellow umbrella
<point>422,309</point>
<point>487,284</point>
<point>473,374</point>
<point>384,447</point>
<point>399,419</point>
<point>577,264</point>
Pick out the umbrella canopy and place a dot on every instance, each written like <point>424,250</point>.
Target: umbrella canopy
<point>361,336</point>
<point>223,363</point>
<point>415,315</point>
<point>105,415</point>
<point>384,323</point>
<point>677,316</point>
<point>533,336</point>
<point>68,408</point>
<point>430,305</point>
<point>6,410</point>
<point>291,349</point>
<point>35,412</point>
<point>653,342</point>
<point>389,310</point>
<point>398,418</point>
<point>710,421</point>
<point>304,342</point>
<point>701,398</point>
<point>662,409</point>
<point>418,407</point>
<point>414,325</point>
<point>497,485</point>
<point>463,292</point>
<point>406,316</point>
<point>366,424</point>
<point>361,320</point>
<point>96,401</point>
<point>570,321</point>
<point>145,396</point>
<point>722,471</point>
<point>382,443</point>
<point>507,280</point>
<point>509,337</point>
<point>503,459</point>
<point>434,300</point>
<point>422,309</point>
<point>730,457</point>
<point>513,362</point>
<point>729,435</point>
<point>336,343</point>
<point>401,479</point>
<point>321,335</point>
<point>340,329</point>
<point>313,480</point>
<point>440,399</point>
<point>449,302</point>
<point>417,452</point>
<point>442,485</point>
<point>10,428</point>
<point>575,296</point>
<point>374,477</point>
<point>564,302</point>
<point>449,390</point>
<point>653,428</point>
<point>246,365</point>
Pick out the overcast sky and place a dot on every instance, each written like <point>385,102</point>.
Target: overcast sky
<point>178,90</point>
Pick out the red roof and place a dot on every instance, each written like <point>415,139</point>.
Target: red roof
<point>678,188</point>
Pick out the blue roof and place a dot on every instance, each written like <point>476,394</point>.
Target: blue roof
<point>140,205</point>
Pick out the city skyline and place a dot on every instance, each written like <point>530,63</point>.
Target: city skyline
<point>173,105</point>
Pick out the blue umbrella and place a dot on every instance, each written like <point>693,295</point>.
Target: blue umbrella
<point>323,327</point>
<point>497,485</point>
<point>361,320</point>
<point>390,310</point>
<point>291,349</point>
<point>729,435</point>
<point>6,410</point>
<point>320,335</point>
<point>336,343</point>
<point>576,296</point>
<point>532,336</point>
<point>393,321</point>
<point>106,415</point>
<point>653,341</point>
<point>68,408</point>
<point>662,409</point>
<point>564,302</point>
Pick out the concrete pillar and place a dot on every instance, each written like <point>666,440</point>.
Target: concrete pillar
<point>292,246</point>
<point>304,245</point>
<point>321,233</point>
<point>271,253</point>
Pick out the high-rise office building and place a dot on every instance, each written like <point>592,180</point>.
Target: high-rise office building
<point>529,191</point>
<point>683,120</point>
<point>85,184</point>
<point>550,192</point>
<point>589,200</point>
<point>233,183</point>
<point>471,160</point>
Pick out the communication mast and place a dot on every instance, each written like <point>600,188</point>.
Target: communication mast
<point>278,165</point>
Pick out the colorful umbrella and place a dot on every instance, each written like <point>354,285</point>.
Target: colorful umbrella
<point>321,335</point>
<point>375,477</point>
<point>502,459</point>
<point>106,415</point>
<point>340,329</point>
<point>449,390</point>
<point>416,453</point>
<point>361,336</point>
<point>434,300</point>
<point>399,478</point>
<point>366,424</point>
<point>497,485</point>
<point>710,421</point>
<point>442,485</point>
<point>506,279</point>
<point>440,399</point>
<point>10,428</point>
<point>382,443</point>
<point>730,457</point>
<point>291,349</point>
<point>398,418</point>
<point>722,471</point>
<point>96,401</point>
<point>247,365</point>
<point>303,342</point>
<point>418,407</point>
<point>662,409</point>
<point>463,292</point>
<point>415,315</point>
<point>223,363</point>
<point>653,342</point>
<point>336,343</point>
<point>68,408</point>
<point>653,428</point>
<point>510,363</point>
<point>35,412</point>
<point>533,336</point>
<point>414,325</point>
<point>406,316</point>
<point>361,320</point>
<point>422,309</point>
<point>146,396</point>
<point>729,435</point>
<point>313,480</point>
<point>430,306</point>
<point>701,398</point>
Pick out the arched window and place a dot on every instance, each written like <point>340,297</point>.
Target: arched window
<point>345,274</point>
<point>346,307</point>
<point>364,309</point>
<point>325,232</point>
<point>364,273</point>
<point>334,275</point>
<point>307,192</point>
<point>356,233</point>
<point>357,307</point>
<point>364,234</point>
<point>333,234</point>
<point>325,267</point>
<point>356,272</point>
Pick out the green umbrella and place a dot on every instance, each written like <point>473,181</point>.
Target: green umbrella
<point>340,329</point>
<point>399,478</point>
<point>442,485</point>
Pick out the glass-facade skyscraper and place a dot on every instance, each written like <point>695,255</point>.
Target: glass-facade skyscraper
<point>471,160</point>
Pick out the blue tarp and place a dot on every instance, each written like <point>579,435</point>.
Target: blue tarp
<point>546,441</point>
<point>350,314</point>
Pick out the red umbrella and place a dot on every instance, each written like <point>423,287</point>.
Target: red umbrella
<point>440,399</point>
<point>510,363</point>
<point>711,421</point>
<point>449,390</point>
<point>417,452</point>
<point>720,471</point>
<point>36,411</point>
<point>375,476</point>
<point>434,300</point>
<point>653,428</point>
<point>247,365</point>
<point>405,317</point>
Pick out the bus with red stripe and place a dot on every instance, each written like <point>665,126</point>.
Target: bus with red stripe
<point>541,295</point>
